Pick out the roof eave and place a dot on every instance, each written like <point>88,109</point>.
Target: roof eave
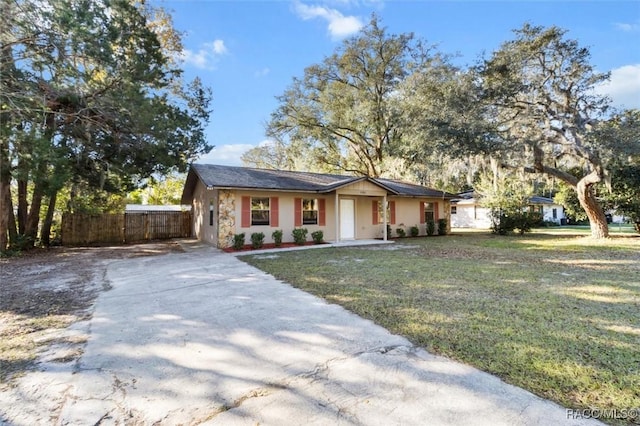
<point>252,188</point>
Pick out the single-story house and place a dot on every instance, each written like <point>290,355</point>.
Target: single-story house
<point>230,200</point>
<point>467,212</point>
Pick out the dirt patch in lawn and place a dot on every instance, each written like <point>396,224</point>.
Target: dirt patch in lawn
<point>45,291</point>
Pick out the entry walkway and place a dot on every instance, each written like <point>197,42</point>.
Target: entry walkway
<point>202,338</point>
<point>345,243</point>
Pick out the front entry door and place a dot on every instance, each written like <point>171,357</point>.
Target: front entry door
<point>347,219</point>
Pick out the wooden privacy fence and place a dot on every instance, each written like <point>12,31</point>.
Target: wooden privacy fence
<point>86,229</point>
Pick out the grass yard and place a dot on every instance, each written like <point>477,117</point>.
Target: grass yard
<point>558,315</point>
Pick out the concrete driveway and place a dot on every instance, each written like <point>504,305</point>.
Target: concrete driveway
<point>203,338</point>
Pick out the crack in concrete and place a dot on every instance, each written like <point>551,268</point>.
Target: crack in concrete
<point>267,390</point>
<point>340,394</point>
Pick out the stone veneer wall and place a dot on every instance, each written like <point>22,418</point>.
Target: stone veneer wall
<point>226,218</point>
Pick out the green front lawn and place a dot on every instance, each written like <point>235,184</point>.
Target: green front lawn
<point>615,229</point>
<point>558,315</point>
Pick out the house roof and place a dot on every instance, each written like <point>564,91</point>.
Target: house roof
<point>541,200</point>
<point>216,176</point>
<point>411,189</point>
<point>470,197</point>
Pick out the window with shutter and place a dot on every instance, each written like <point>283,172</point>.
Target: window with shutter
<point>260,211</point>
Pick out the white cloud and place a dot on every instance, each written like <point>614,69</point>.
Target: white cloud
<point>226,155</point>
<point>624,86</point>
<point>218,47</point>
<point>206,57</point>
<point>262,72</point>
<point>339,26</point>
<point>626,27</point>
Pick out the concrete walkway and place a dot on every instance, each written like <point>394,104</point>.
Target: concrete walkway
<point>346,243</point>
<point>203,338</point>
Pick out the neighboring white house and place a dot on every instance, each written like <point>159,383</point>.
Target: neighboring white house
<point>466,211</point>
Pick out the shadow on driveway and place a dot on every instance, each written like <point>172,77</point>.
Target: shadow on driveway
<point>203,338</point>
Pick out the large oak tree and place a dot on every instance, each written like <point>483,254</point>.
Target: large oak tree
<point>539,93</point>
<point>344,111</point>
<point>530,106</point>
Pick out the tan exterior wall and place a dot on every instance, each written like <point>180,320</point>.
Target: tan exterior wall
<point>362,189</point>
<point>202,229</point>
<point>228,213</point>
<point>408,213</point>
<point>363,193</point>
<point>286,213</point>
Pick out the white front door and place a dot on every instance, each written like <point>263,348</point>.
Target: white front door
<point>347,219</point>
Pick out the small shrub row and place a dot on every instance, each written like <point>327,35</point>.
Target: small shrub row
<point>414,231</point>
<point>257,238</point>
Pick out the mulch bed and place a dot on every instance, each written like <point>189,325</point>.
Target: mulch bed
<point>248,247</point>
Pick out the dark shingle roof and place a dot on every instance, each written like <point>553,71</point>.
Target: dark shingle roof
<point>411,189</point>
<point>245,177</point>
<point>470,197</point>
<point>541,200</point>
<point>249,178</point>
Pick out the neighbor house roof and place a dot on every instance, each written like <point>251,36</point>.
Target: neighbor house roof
<point>470,197</point>
<point>216,176</point>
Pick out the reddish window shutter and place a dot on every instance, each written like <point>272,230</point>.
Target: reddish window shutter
<point>421,211</point>
<point>321,212</point>
<point>274,212</point>
<point>297,212</point>
<point>435,211</point>
<point>246,212</point>
<point>392,207</point>
<point>374,212</point>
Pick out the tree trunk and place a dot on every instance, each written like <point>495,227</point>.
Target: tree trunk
<point>13,230</point>
<point>45,234</point>
<point>5,209</point>
<point>597,219</point>
<point>6,206</point>
<point>23,205</point>
<point>33,220</point>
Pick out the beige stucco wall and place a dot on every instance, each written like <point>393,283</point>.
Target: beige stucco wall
<point>363,193</point>
<point>286,213</point>
<point>229,213</point>
<point>362,189</point>
<point>408,213</point>
<point>202,230</point>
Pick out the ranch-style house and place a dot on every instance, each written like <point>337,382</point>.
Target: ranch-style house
<point>228,200</point>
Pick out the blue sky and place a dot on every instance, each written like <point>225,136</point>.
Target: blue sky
<point>249,51</point>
